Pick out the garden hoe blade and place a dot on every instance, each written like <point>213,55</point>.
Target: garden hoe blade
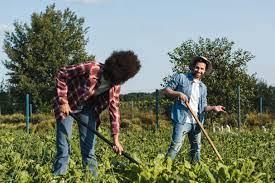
<point>126,155</point>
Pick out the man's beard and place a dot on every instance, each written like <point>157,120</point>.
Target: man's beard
<point>197,75</point>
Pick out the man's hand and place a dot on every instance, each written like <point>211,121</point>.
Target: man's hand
<point>183,97</point>
<point>117,147</point>
<point>219,108</point>
<point>172,93</point>
<point>65,109</point>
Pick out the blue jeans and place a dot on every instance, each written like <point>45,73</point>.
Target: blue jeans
<point>87,143</point>
<point>194,135</point>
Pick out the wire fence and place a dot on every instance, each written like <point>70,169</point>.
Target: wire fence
<point>146,106</point>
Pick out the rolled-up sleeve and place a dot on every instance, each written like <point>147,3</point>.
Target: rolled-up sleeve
<point>114,109</point>
<point>173,83</point>
<point>204,99</point>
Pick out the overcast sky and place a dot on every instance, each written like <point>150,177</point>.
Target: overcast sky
<point>153,28</point>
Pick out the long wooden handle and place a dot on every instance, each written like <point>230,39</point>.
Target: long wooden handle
<point>126,155</point>
<point>204,132</point>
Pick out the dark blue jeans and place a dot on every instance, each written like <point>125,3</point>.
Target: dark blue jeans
<point>179,132</point>
<point>87,143</point>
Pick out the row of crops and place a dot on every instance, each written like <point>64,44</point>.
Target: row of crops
<point>248,157</point>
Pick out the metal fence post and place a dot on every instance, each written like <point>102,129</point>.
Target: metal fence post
<point>132,109</point>
<point>261,104</point>
<point>157,109</point>
<point>27,112</point>
<point>30,112</point>
<point>239,106</point>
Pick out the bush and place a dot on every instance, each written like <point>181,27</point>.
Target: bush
<point>45,126</point>
<point>14,118</point>
<point>20,118</point>
<point>38,118</point>
<point>253,119</point>
<point>125,123</point>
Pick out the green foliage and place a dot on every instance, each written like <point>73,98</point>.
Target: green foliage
<point>20,118</point>
<point>268,95</point>
<point>213,118</point>
<point>230,70</point>
<point>37,51</point>
<point>143,113</point>
<point>248,157</point>
<point>41,117</point>
<point>253,119</point>
<point>137,96</point>
<point>140,96</point>
<point>14,118</point>
<point>7,102</point>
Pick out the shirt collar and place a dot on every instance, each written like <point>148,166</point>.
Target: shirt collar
<point>191,78</point>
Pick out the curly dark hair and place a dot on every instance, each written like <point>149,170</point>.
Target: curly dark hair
<point>121,66</point>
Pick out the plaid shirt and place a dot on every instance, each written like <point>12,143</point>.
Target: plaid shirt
<point>76,84</point>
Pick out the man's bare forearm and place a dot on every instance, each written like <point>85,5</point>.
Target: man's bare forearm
<point>208,108</point>
<point>115,138</point>
<point>217,108</point>
<point>171,93</point>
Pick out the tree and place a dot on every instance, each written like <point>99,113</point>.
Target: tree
<point>267,94</point>
<point>272,101</point>
<point>6,102</point>
<point>230,70</point>
<point>37,51</point>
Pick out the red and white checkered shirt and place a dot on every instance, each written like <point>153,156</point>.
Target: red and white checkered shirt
<point>76,84</point>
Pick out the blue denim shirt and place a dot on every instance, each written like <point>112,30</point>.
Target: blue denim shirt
<point>183,83</point>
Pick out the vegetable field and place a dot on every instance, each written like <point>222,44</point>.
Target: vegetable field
<point>248,157</point>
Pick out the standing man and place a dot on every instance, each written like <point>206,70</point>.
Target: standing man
<point>189,88</point>
<point>87,89</point>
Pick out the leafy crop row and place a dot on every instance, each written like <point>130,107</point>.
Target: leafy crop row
<point>248,157</point>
